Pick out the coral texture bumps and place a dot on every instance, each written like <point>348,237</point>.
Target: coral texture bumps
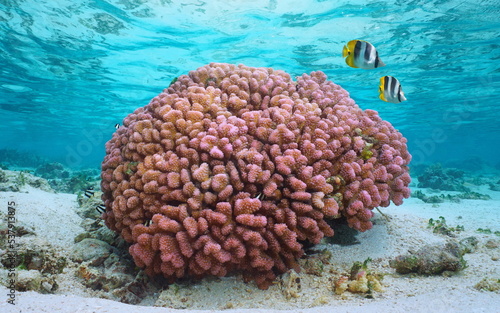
<point>231,168</point>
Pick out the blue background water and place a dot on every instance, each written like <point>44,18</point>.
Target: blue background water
<point>71,70</point>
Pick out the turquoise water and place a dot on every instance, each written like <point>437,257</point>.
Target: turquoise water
<point>71,70</point>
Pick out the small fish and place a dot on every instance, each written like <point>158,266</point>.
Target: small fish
<point>147,223</point>
<point>361,54</point>
<point>117,126</point>
<point>89,192</point>
<point>390,90</point>
<point>100,208</point>
<point>173,81</point>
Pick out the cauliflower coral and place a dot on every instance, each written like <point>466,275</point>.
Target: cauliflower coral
<point>233,168</point>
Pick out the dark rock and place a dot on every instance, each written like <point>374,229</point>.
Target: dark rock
<point>437,177</point>
<point>52,170</point>
<point>126,296</point>
<point>28,280</point>
<point>492,244</point>
<point>3,177</point>
<point>82,236</point>
<point>93,250</point>
<point>489,284</point>
<point>43,259</point>
<point>431,259</point>
<point>469,244</point>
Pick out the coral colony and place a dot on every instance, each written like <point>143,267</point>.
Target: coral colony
<point>232,168</point>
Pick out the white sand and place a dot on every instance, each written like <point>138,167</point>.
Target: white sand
<point>53,217</point>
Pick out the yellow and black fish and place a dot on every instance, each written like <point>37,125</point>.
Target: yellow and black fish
<point>89,192</point>
<point>390,90</point>
<point>361,54</point>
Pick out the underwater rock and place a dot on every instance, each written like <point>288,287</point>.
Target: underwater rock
<point>126,296</point>
<point>88,205</point>
<point>431,259</point>
<point>107,235</point>
<point>290,284</point>
<point>52,170</point>
<point>90,249</point>
<point>439,226</point>
<point>360,280</point>
<point>19,229</point>
<point>489,284</point>
<point>437,177</point>
<point>82,236</point>
<point>3,177</point>
<point>74,182</point>
<point>43,259</point>
<point>492,244</point>
<point>49,285</point>
<point>107,280</point>
<point>8,181</point>
<point>470,195</point>
<point>34,181</point>
<point>341,284</point>
<point>14,181</point>
<point>110,273</point>
<point>427,199</point>
<point>469,244</point>
<point>102,233</point>
<point>80,180</point>
<point>495,186</point>
<point>314,265</point>
<point>28,280</point>
<point>364,283</point>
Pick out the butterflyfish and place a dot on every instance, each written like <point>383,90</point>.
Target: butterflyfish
<point>390,90</point>
<point>89,192</point>
<point>100,208</point>
<point>361,54</point>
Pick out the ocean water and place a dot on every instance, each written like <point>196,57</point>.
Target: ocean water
<point>71,70</point>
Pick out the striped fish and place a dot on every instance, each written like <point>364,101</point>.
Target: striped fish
<point>117,126</point>
<point>361,54</point>
<point>100,208</point>
<point>89,192</point>
<point>390,90</point>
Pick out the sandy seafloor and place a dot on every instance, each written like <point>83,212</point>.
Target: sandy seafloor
<point>54,218</point>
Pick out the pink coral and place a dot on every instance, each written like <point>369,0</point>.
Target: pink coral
<point>233,167</point>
